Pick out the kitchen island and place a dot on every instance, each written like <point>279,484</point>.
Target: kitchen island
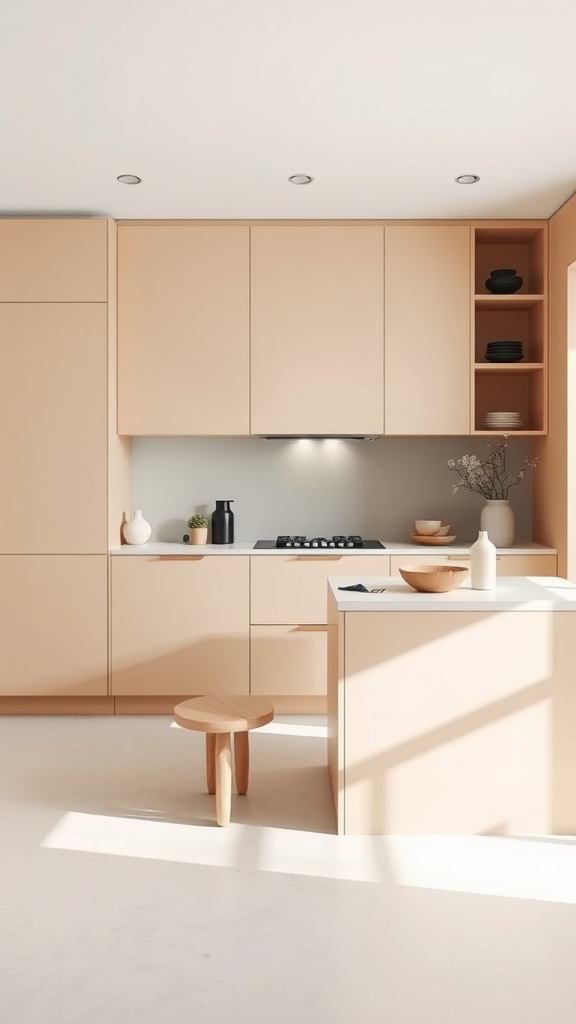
<point>453,713</point>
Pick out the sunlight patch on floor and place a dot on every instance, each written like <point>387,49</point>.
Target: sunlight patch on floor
<point>260,849</point>
<point>522,868</point>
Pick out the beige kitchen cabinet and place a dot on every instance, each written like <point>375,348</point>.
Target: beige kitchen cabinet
<point>506,565</point>
<point>183,329</point>
<point>53,625</point>
<point>288,660</point>
<point>53,428</point>
<point>292,589</point>
<point>427,318</point>
<point>317,297</point>
<point>53,259</point>
<point>288,600</point>
<point>179,625</point>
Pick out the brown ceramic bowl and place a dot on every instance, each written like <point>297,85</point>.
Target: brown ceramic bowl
<point>434,579</point>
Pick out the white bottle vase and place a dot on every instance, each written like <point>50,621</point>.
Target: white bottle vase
<point>497,518</point>
<point>136,530</point>
<point>483,563</point>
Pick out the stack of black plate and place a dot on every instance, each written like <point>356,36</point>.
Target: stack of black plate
<point>504,351</point>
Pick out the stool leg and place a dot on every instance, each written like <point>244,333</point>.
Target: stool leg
<point>241,761</point>
<point>211,762</point>
<point>223,778</point>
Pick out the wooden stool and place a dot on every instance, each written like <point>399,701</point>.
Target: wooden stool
<point>219,717</point>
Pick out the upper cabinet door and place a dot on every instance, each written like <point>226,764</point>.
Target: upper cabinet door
<point>317,297</point>
<point>183,329</point>
<point>53,428</point>
<point>60,260</point>
<point>427,331</point>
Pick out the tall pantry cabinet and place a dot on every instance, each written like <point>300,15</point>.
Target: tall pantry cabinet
<point>54,457</point>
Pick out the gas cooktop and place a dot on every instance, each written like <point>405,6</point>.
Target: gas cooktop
<point>319,543</point>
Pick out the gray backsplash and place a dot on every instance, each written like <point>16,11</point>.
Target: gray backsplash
<point>375,488</point>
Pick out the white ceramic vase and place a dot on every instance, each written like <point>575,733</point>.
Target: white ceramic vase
<point>136,530</point>
<point>497,519</point>
<point>483,563</point>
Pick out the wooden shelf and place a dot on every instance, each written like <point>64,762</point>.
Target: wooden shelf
<point>508,367</point>
<point>509,433</point>
<point>517,301</point>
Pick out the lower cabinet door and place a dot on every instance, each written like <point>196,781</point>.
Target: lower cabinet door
<point>293,588</point>
<point>288,660</point>
<point>53,625</point>
<point>180,625</point>
<point>506,565</point>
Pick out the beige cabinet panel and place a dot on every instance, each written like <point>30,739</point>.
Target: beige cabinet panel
<point>427,333</point>
<point>293,588</point>
<point>432,740</point>
<point>506,565</point>
<point>53,625</point>
<point>317,295</point>
<point>53,428</point>
<point>53,260</point>
<point>183,329</point>
<point>526,565</point>
<point>180,625</point>
<point>288,660</point>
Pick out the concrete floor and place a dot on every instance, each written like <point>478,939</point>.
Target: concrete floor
<point>122,901</point>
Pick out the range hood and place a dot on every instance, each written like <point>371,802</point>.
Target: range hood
<point>318,437</point>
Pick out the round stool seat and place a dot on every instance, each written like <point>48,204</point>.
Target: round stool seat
<point>223,714</point>
<point>219,718</point>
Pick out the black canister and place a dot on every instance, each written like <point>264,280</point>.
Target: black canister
<point>223,523</point>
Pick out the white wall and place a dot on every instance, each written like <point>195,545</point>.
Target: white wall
<point>375,488</point>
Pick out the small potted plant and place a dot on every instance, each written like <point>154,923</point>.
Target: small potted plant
<point>198,526</point>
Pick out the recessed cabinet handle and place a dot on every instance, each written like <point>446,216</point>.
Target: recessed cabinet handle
<point>318,558</point>
<point>178,558</point>
<point>466,558</point>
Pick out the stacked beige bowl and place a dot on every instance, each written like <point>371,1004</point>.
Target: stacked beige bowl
<point>432,531</point>
<point>503,421</point>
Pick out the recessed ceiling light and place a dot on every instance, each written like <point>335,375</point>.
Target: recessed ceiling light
<point>467,179</point>
<point>300,179</point>
<point>129,179</point>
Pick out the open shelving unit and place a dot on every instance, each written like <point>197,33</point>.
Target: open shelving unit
<point>523,386</point>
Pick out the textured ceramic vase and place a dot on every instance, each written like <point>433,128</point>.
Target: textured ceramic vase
<point>136,530</point>
<point>497,519</point>
<point>483,563</point>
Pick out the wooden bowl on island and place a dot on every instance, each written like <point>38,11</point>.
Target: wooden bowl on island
<point>434,579</point>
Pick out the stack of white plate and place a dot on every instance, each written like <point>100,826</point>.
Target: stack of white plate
<point>502,421</point>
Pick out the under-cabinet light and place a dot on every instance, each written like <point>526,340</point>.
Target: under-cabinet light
<point>317,437</point>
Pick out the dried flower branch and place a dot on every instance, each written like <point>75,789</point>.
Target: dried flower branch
<point>488,478</point>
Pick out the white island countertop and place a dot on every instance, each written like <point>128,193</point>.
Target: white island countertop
<point>512,593</point>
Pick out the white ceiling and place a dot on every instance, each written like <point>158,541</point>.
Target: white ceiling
<point>215,103</point>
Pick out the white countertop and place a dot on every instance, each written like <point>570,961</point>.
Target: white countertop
<point>159,548</point>
<point>513,593</point>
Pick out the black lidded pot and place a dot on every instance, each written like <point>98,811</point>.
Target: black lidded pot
<point>223,523</point>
